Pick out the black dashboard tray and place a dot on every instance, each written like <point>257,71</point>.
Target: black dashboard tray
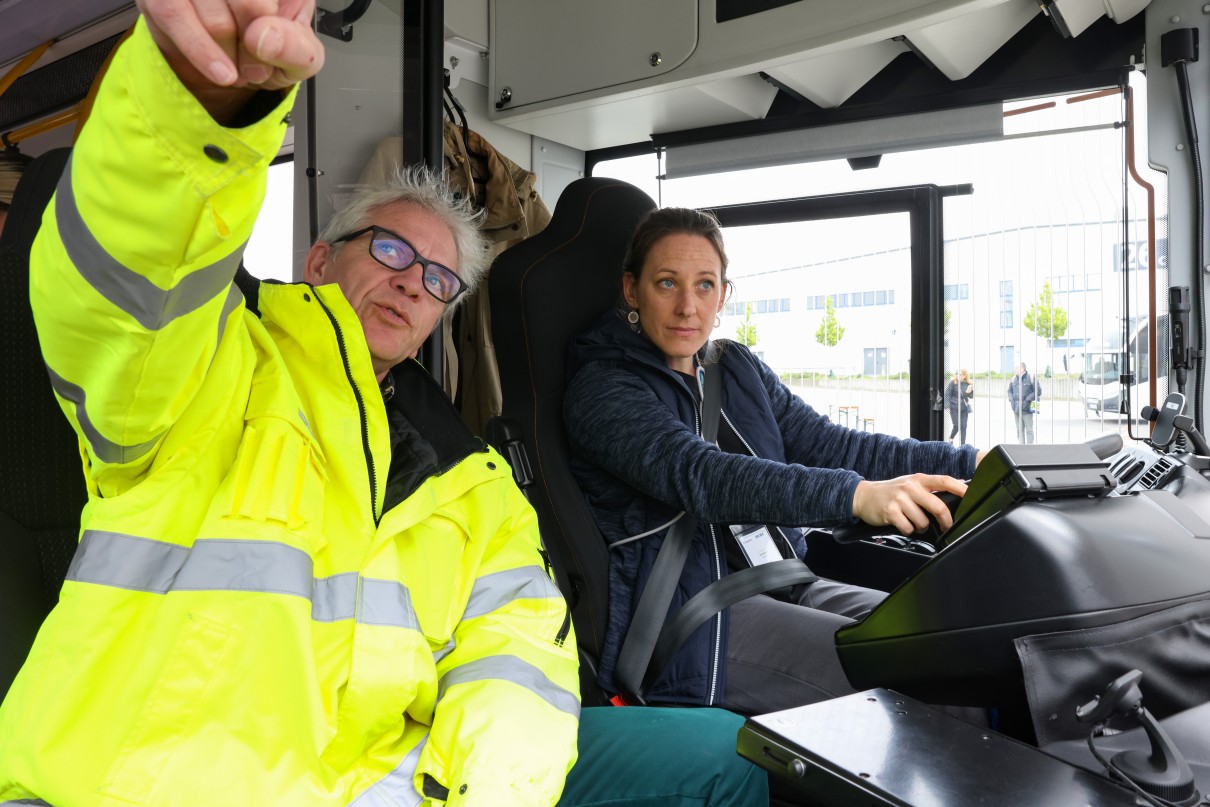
<point>881,748</point>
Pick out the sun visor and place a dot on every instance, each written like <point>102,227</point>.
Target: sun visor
<point>951,127</point>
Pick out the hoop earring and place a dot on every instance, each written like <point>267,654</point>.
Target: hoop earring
<point>718,320</point>
<point>633,319</point>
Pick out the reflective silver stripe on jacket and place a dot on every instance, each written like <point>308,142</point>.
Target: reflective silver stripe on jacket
<point>151,306</point>
<point>106,450</point>
<point>396,789</point>
<point>445,650</point>
<point>38,802</point>
<point>212,564</point>
<point>513,670</point>
<point>494,591</point>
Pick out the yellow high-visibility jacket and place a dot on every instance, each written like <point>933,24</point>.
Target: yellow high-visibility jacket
<point>267,607</point>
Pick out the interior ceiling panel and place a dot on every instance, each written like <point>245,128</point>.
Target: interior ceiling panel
<point>1035,61</point>
<point>27,23</point>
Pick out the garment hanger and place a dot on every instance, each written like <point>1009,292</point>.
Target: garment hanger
<point>461,120</point>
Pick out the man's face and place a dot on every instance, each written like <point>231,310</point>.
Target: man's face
<point>1020,369</point>
<point>396,312</point>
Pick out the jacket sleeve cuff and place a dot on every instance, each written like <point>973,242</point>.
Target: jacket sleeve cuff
<point>211,155</point>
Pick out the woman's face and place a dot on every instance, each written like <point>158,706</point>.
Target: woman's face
<point>678,294</point>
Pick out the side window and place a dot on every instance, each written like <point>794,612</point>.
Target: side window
<point>269,254</point>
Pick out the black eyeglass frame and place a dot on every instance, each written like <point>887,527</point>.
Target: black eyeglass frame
<point>424,262</point>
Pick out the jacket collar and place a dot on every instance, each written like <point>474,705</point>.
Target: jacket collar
<point>611,339</point>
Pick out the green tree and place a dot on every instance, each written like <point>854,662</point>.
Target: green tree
<point>830,332</point>
<point>1044,318</point>
<point>745,332</point>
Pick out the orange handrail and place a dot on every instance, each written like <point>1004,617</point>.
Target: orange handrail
<point>20,67</point>
<point>42,126</point>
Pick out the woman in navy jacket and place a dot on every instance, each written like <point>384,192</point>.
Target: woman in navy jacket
<point>632,411</point>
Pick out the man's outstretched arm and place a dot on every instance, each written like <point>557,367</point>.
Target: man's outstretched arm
<point>131,272</point>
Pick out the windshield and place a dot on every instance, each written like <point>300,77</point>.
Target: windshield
<point>1101,368</point>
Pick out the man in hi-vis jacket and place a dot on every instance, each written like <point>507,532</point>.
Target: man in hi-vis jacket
<point>301,579</point>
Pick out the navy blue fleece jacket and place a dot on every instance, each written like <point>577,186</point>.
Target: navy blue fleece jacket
<point>634,430</point>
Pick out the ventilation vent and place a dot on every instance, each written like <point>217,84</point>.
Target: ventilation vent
<point>1127,468</point>
<point>1156,473</point>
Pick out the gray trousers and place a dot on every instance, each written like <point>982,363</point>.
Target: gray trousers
<point>1025,426</point>
<point>783,654</point>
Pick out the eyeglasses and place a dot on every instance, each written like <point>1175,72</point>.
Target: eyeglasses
<point>394,252</point>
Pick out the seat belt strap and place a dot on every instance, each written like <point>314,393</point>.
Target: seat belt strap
<point>652,611</point>
<point>721,594</point>
<point>712,403</point>
<point>652,640</point>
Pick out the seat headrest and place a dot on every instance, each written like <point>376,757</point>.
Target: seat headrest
<point>33,194</point>
<point>552,286</point>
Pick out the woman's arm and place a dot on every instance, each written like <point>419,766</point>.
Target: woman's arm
<point>813,440</point>
<point>616,421</point>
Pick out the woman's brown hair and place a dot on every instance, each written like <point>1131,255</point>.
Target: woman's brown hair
<point>668,221</point>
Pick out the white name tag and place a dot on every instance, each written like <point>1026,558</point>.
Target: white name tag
<point>756,543</point>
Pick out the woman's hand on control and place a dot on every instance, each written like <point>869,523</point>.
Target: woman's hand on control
<point>906,502</point>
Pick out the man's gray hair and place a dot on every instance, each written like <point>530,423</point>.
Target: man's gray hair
<point>421,187</point>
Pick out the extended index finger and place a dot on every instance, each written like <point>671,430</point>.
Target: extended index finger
<point>297,10</point>
<point>943,482</point>
<point>176,26</point>
<point>288,45</point>
<point>937,507</point>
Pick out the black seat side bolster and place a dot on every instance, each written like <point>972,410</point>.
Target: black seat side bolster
<point>543,292</point>
<point>41,484</point>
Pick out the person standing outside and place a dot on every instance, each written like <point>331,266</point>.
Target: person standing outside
<point>958,394</point>
<point>1024,392</point>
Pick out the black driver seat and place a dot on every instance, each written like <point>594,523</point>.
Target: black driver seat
<point>543,292</point>
<point>41,484</point>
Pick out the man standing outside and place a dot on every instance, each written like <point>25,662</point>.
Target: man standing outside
<point>1024,392</point>
<point>301,580</point>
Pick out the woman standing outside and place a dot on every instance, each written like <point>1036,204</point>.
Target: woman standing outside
<point>958,395</point>
<point>632,411</point>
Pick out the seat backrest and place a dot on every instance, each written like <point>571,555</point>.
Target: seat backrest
<point>543,292</point>
<point>41,485</point>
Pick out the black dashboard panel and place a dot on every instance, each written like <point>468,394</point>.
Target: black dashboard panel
<point>1047,539</point>
<point>881,748</point>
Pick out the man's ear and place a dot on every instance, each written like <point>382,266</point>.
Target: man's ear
<point>316,265</point>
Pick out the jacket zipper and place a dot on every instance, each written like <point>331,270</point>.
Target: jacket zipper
<point>361,409</point>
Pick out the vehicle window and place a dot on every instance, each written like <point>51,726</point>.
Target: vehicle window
<point>1039,266</point>
<point>267,255</point>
